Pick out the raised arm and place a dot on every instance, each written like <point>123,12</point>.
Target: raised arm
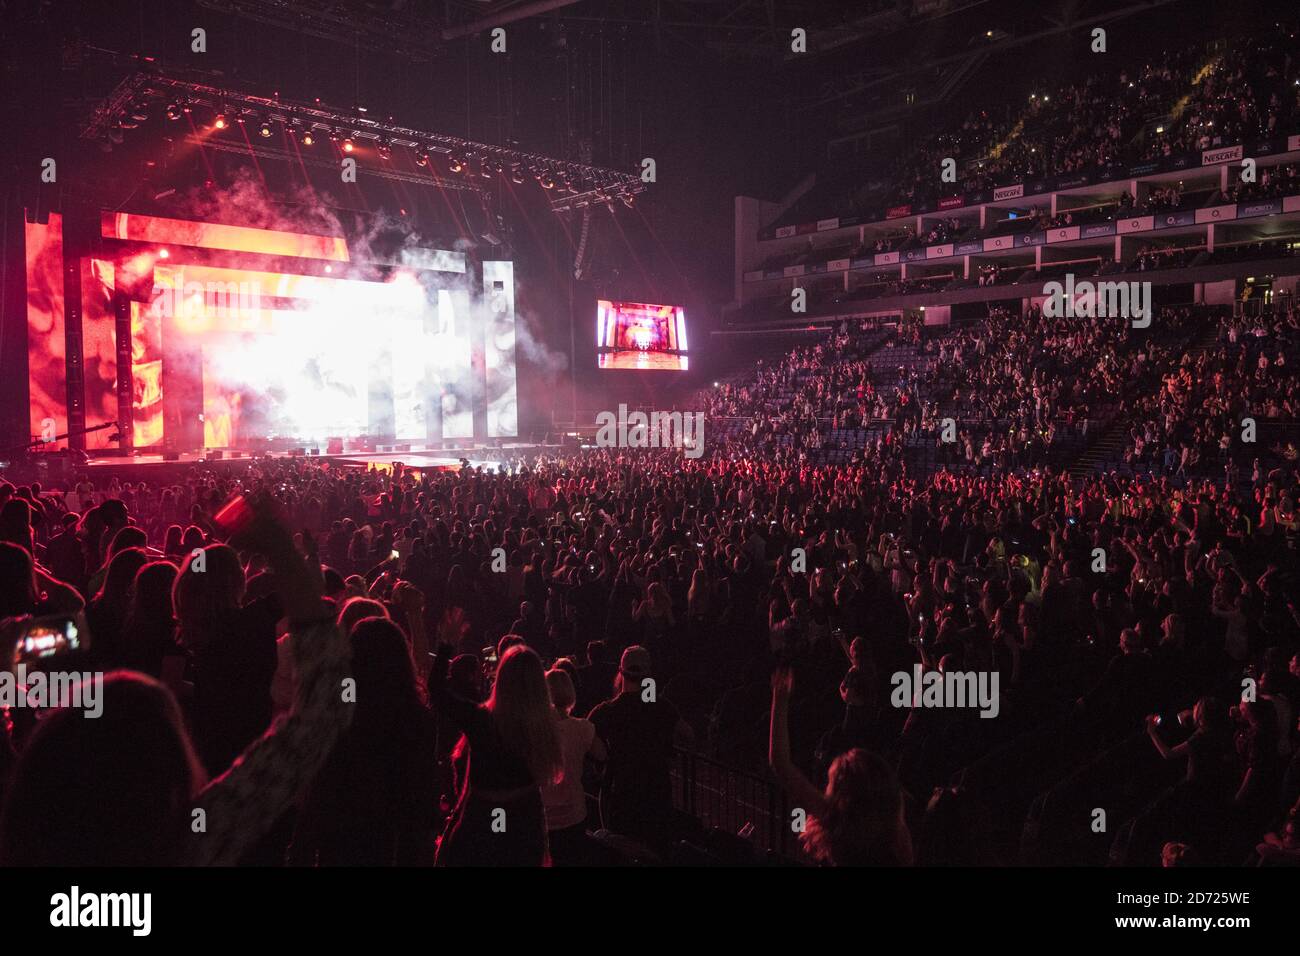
<point>1162,748</point>
<point>411,600</point>
<point>798,787</point>
<point>237,808</point>
<point>463,714</point>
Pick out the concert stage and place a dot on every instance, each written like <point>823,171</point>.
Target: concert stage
<point>197,335</point>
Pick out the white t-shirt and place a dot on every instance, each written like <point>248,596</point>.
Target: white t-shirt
<point>1237,638</point>
<point>566,802</point>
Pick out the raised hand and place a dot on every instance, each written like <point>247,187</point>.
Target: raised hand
<point>452,627</point>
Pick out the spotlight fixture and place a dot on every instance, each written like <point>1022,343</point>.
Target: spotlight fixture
<point>219,121</point>
<point>348,145</point>
<point>385,149</point>
<point>308,138</point>
<point>545,181</point>
<point>516,175</point>
<point>334,136</point>
<point>173,111</point>
<point>457,164</point>
<point>422,158</point>
<point>265,128</point>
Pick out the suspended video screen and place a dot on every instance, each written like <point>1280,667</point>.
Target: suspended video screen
<point>641,336</point>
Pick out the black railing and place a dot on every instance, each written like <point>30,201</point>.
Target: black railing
<point>735,801</point>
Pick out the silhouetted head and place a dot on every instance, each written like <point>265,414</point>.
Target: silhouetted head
<point>112,790</point>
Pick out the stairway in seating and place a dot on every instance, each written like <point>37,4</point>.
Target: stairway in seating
<point>1110,445</point>
<point>1106,448</point>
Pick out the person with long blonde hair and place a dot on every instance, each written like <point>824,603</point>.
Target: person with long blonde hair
<point>565,800</point>
<point>514,750</point>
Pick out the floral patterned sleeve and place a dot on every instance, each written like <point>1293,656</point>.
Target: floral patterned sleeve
<point>244,802</point>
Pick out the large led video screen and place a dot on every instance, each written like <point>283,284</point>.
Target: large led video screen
<point>641,336</point>
<point>227,355</point>
<point>47,359</point>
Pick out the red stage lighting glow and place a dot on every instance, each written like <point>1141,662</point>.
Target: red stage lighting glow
<point>211,235</point>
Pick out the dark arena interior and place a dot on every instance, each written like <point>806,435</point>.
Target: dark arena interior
<point>651,434</point>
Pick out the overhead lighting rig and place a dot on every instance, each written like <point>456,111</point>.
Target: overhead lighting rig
<point>568,184</point>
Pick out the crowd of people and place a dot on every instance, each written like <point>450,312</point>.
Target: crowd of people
<point>1271,182</point>
<point>1192,423</point>
<point>1012,383</point>
<point>1172,257</point>
<point>1217,95</point>
<point>1015,384</point>
<point>500,665</point>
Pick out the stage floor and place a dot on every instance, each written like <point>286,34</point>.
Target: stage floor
<point>628,359</point>
<point>432,459</point>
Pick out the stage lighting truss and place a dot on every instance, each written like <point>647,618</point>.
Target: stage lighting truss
<point>569,185</point>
